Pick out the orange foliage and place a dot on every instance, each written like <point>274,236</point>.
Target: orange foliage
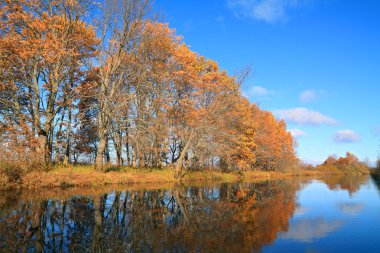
<point>149,94</point>
<point>239,148</point>
<point>42,46</point>
<point>344,165</point>
<point>275,150</point>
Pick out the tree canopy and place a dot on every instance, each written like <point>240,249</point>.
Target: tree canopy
<point>125,89</point>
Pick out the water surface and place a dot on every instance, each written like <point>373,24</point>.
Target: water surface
<point>334,214</point>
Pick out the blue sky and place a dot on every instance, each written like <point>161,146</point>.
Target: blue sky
<point>315,63</point>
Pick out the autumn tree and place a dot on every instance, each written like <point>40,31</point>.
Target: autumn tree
<point>349,164</point>
<point>203,98</point>
<point>85,139</point>
<point>150,92</point>
<point>42,45</point>
<point>275,149</point>
<point>237,145</point>
<point>119,27</point>
<point>126,88</point>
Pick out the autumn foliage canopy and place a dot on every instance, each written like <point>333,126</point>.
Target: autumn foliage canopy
<point>124,89</point>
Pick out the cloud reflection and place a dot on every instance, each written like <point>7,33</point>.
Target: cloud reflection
<point>305,230</point>
<point>350,208</point>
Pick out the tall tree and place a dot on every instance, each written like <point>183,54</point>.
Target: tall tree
<point>274,144</point>
<point>119,26</point>
<point>149,89</point>
<point>203,95</point>
<point>42,47</point>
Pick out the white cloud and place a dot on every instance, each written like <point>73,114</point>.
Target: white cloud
<point>304,116</point>
<point>307,96</point>
<point>270,11</point>
<point>311,95</point>
<point>346,136</point>
<point>297,132</point>
<point>257,92</point>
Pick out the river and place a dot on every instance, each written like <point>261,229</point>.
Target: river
<point>330,214</point>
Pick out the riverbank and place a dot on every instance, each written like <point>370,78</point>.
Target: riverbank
<point>86,176</point>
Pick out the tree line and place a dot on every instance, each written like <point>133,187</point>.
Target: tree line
<point>81,81</point>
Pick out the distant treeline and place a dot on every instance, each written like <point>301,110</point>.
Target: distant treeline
<point>349,165</point>
<point>123,87</point>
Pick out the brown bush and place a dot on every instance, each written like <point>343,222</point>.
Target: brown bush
<point>344,165</point>
<point>19,154</point>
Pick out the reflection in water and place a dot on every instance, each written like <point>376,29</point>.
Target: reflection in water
<point>350,183</point>
<point>350,208</point>
<point>311,228</point>
<point>225,218</point>
<point>376,179</point>
<point>229,217</point>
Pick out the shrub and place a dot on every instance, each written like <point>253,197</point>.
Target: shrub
<point>112,169</point>
<point>12,172</point>
<point>344,165</point>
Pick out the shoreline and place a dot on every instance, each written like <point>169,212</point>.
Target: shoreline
<point>85,176</point>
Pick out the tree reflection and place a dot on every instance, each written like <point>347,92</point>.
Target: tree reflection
<point>375,175</point>
<point>350,183</point>
<point>232,218</point>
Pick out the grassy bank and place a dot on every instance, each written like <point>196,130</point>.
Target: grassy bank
<point>84,175</point>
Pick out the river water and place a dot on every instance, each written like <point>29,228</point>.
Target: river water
<point>331,214</point>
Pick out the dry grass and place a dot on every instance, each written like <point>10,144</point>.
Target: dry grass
<point>86,176</point>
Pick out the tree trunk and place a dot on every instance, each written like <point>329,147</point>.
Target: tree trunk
<point>178,164</point>
<point>127,149</point>
<point>107,152</point>
<point>47,152</point>
<point>133,157</point>
<point>119,159</point>
<point>156,154</point>
<point>100,153</point>
<point>118,145</point>
<point>56,145</point>
<point>66,158</point>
